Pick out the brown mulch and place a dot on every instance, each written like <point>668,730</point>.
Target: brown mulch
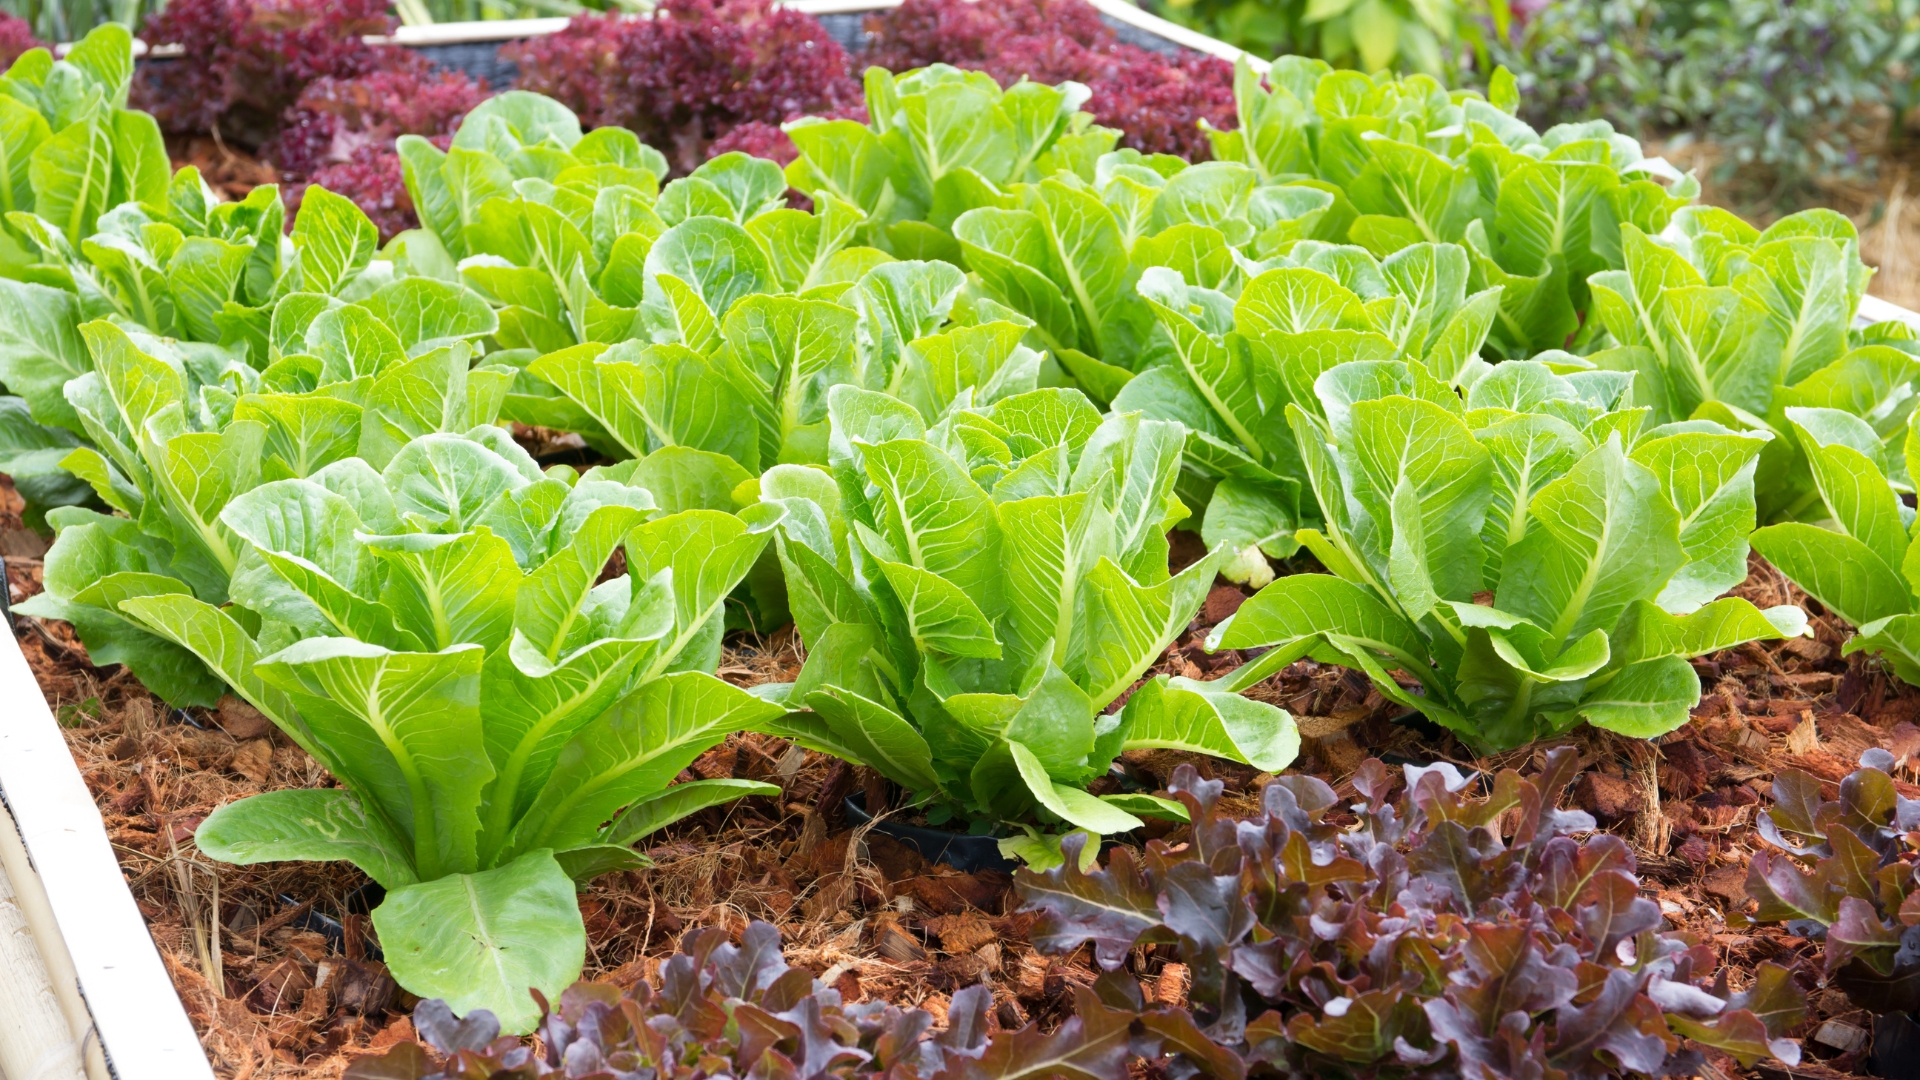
<point>229,170</point>
<point>277,992</point>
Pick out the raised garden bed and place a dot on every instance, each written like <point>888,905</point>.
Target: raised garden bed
<point>1714,738</point>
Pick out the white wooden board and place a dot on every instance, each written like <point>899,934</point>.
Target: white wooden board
<point>135,1008</point>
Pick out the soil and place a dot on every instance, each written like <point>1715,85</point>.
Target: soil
<point>274,963</point>
<point>229,170</point>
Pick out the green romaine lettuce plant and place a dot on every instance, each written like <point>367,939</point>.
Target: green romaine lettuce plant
<point>70,149</point>
<point>1525,555</point>
<point>1863,561</point>
<point>1537,211</point>
<point>942,141</point>
<point>1238,361</point>
<point>976,592</point>
<point>1728,323</point>
<point>180,429</point>
<point>518,144</point>
<point>753,385</point>
<point>503,723</point>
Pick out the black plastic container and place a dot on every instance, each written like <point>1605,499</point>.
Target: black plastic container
<point>962,851</point>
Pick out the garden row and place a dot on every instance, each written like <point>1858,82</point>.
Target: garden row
<point>1520,398</point>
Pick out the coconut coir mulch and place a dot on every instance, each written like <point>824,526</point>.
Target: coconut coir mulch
<point>275,963</point>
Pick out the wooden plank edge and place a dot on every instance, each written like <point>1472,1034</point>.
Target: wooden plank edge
<point>45,1030</point>
<point>134,1005</point>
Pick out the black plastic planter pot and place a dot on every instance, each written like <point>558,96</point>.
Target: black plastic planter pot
<point>961,851</point>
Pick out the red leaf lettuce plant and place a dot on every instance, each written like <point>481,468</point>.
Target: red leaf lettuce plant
<point>725,1010</point>
<point>1863,894</point>
<point>1156,100</point>
<point>246,61</point>
<point>693,72</point>
<point>1446,934</point>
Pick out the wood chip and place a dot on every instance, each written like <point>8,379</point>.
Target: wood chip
<point>1172,986</point>
<point>253,759</point>
<point>1842,1037</point>
<point>1805,736</point>
<point>239,719</point>
<point>894,941</point>
<point>962,933</point>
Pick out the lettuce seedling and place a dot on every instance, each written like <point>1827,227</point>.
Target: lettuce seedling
<point>1446,934</point>
<point>503,723</point>
<point>1524,554</point>
<point>1863,562</point>
<point>731,1010</point>
<point>975,593</point>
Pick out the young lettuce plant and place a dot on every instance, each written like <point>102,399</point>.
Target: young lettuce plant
<point>1863,562</point>
<point>1445,935</point>
<point>942,141</point>
<point>501,725</point>
<point>70,146</point>
<point>974,594</point>
<point>774,358</point>
<point>181,429</point>
<point>1728,323</point>
<point>1066,251</point>
<point>1599,553</point>
<point>520,143</point>
<point>1537,212</point>
<point>1239,360</point>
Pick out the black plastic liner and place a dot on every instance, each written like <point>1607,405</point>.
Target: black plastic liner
<point>961,851</point>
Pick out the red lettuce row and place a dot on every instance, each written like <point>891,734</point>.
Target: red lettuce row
<point>247,61</point>
<point>739,1010</point>
<point>1447,934</point>
<point>694,72</point>
<point>16,37</point>
<point>1157,100</point>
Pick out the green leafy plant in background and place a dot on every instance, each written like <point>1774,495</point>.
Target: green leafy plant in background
<point>753,386</point>
<point>976,592</point>
<point>70,149</point>
<point>69,20</point>
<point>1598,550</point>
<point>1728,323</point>
<point>504,724</point>
<point>1370,35</point>
<point>942,141</point>
<point>1860,561</point>
<point>1788,95</point>
<point>1537,212</point>
<point>180,429</point>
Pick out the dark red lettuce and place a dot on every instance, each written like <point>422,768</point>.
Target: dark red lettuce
<point>1459,929</point>
<point>727,1010</point>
